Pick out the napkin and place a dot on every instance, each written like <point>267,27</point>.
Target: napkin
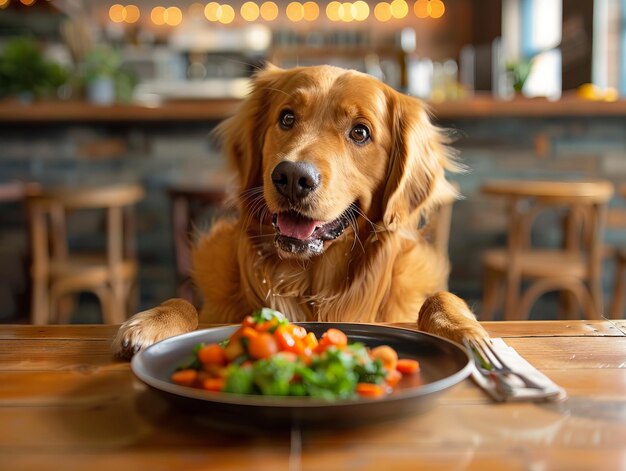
<point>519,392</point>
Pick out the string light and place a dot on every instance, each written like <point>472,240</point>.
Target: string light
<point>249,11</point>
<point>429,8</point>
<point>382,12</point>
<point>399,9</point>
<point>361,10</point>
<point>436,8</point>
<point>332,11</point>
<point>132,14</point>
<point>311,11</point>
<point>117,13</point>
<point>269,11</point>
<point>295,11</point>
<point>158,16</point>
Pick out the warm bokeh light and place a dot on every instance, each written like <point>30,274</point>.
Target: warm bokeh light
<point>117,13</point>
<point>4,3</point>
<point>421,8</point>
<point>436,8</point>
<point>210,11</point>
<point>249,11</point>
<point>332,11</point>
<point>27,2</point>
<point>382,11</point>
<point>399,9</point>
<point>361,10</point>
<point>226,14</point>
<point>311,11</point>
<point>158,16</point>
<point>348,13</point>
<point>269,11</point>
<point>132,14</point>
<point>173,16</point>
<point>295,11</point>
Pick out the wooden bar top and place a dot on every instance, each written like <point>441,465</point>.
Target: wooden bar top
<point>65,403</point>
<point>479,106</point>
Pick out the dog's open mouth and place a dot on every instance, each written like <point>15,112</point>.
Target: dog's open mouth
<point>299,234</point>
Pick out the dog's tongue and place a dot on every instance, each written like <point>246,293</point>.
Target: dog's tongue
<point>295,225</point>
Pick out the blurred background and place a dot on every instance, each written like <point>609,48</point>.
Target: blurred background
<point>103,93</point>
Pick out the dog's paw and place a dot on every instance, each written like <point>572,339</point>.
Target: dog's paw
<point>173,317</point>
<point>448,315</point>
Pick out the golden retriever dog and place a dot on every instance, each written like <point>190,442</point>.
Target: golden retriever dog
<point>335,171</point>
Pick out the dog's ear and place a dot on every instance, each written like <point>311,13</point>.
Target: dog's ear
<point>419,157</point>
<point>242,134</point>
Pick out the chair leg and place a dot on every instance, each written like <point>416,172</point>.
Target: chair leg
<point>40,302</point>
<point>491,295</point>
<point>512,298</point>
<point>617,303</point>
<point>568,305</point>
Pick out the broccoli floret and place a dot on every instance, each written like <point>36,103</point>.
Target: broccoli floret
<point>273,375</point>
<point>239,380</point>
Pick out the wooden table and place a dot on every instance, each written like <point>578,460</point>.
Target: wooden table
<point>66,404</point>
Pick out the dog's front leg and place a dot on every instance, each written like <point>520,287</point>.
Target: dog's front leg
<point>173,317</point>
<point>448,316</point>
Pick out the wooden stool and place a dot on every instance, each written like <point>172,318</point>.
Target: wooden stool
<point>56,273</point>
<point>619,288</point>
<point>575,269</point>
<point>188,203</point>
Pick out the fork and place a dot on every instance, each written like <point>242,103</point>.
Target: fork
<point>491,364</point>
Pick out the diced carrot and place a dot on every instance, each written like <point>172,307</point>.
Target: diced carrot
<point>407,366</point>
<point>262,346</point>
<point>212,354</point>
<point>213,384</point>
<point>234,349</point>
<point>370,390</point>
<point>386,355</point>
<point>284,339</point>
<point>248,332</point>
<point>334,337</point>
<point>184,377</point>
<point>267,325</point>
<point>393,378</point>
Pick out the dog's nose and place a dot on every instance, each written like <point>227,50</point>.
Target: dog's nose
<point>295,180</point>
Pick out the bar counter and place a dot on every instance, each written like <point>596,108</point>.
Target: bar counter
<point>479,106</point>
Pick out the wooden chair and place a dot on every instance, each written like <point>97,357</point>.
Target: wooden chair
<point>575,268</point>
<point>58,272</point>
<point>189,204</point>
<point>437,227</point>
<point>619,287</point>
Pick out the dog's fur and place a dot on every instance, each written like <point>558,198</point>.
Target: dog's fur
<point>380,269</point>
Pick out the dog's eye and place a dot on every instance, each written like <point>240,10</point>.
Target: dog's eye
<point>360,134</point>
<point>287,119</point>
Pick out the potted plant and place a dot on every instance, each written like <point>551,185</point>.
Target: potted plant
<point>25,73</point>
<point>104,78</point>
<point>519,70</point>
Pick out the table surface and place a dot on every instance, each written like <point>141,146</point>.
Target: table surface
<point>65,403</point>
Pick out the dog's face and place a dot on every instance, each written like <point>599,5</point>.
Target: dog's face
<point>320,149</point>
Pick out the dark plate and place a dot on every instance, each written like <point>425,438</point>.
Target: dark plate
<point>443,365</point>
